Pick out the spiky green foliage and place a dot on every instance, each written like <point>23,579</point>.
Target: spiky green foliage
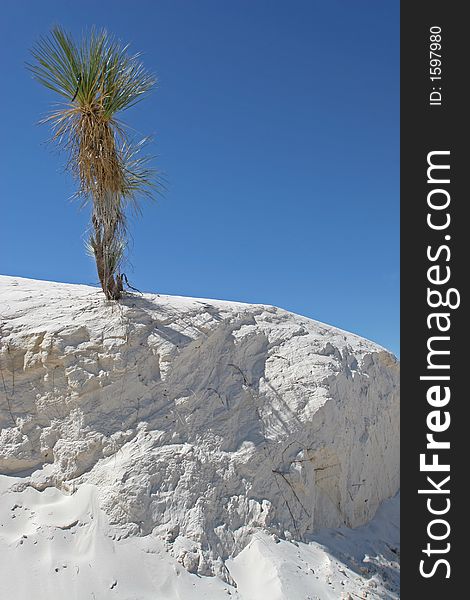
<point>98,79</point>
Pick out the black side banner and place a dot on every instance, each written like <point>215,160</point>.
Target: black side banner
<point>434,252</point>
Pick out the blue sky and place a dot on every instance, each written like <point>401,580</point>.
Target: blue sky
<point>276,126</point>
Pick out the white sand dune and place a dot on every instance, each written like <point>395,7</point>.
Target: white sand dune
<point>56,546</point>
<point>179,448</point>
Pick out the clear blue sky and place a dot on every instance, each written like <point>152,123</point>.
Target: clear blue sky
<point>276,124</point>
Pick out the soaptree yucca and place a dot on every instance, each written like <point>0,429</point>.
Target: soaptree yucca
<point>98,79</point>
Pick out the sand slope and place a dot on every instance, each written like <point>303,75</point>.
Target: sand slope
<point>55,546</point>
<point>190,437</point>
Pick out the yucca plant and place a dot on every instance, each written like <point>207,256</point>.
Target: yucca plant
<point>98,79</point>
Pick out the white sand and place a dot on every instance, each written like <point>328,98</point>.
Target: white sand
<point>149,445</point>
<point>55,546</point>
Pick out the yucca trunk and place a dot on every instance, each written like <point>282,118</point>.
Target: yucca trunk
<point>102,171</point>
<point>102,244</point>
<point>107,242</point>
